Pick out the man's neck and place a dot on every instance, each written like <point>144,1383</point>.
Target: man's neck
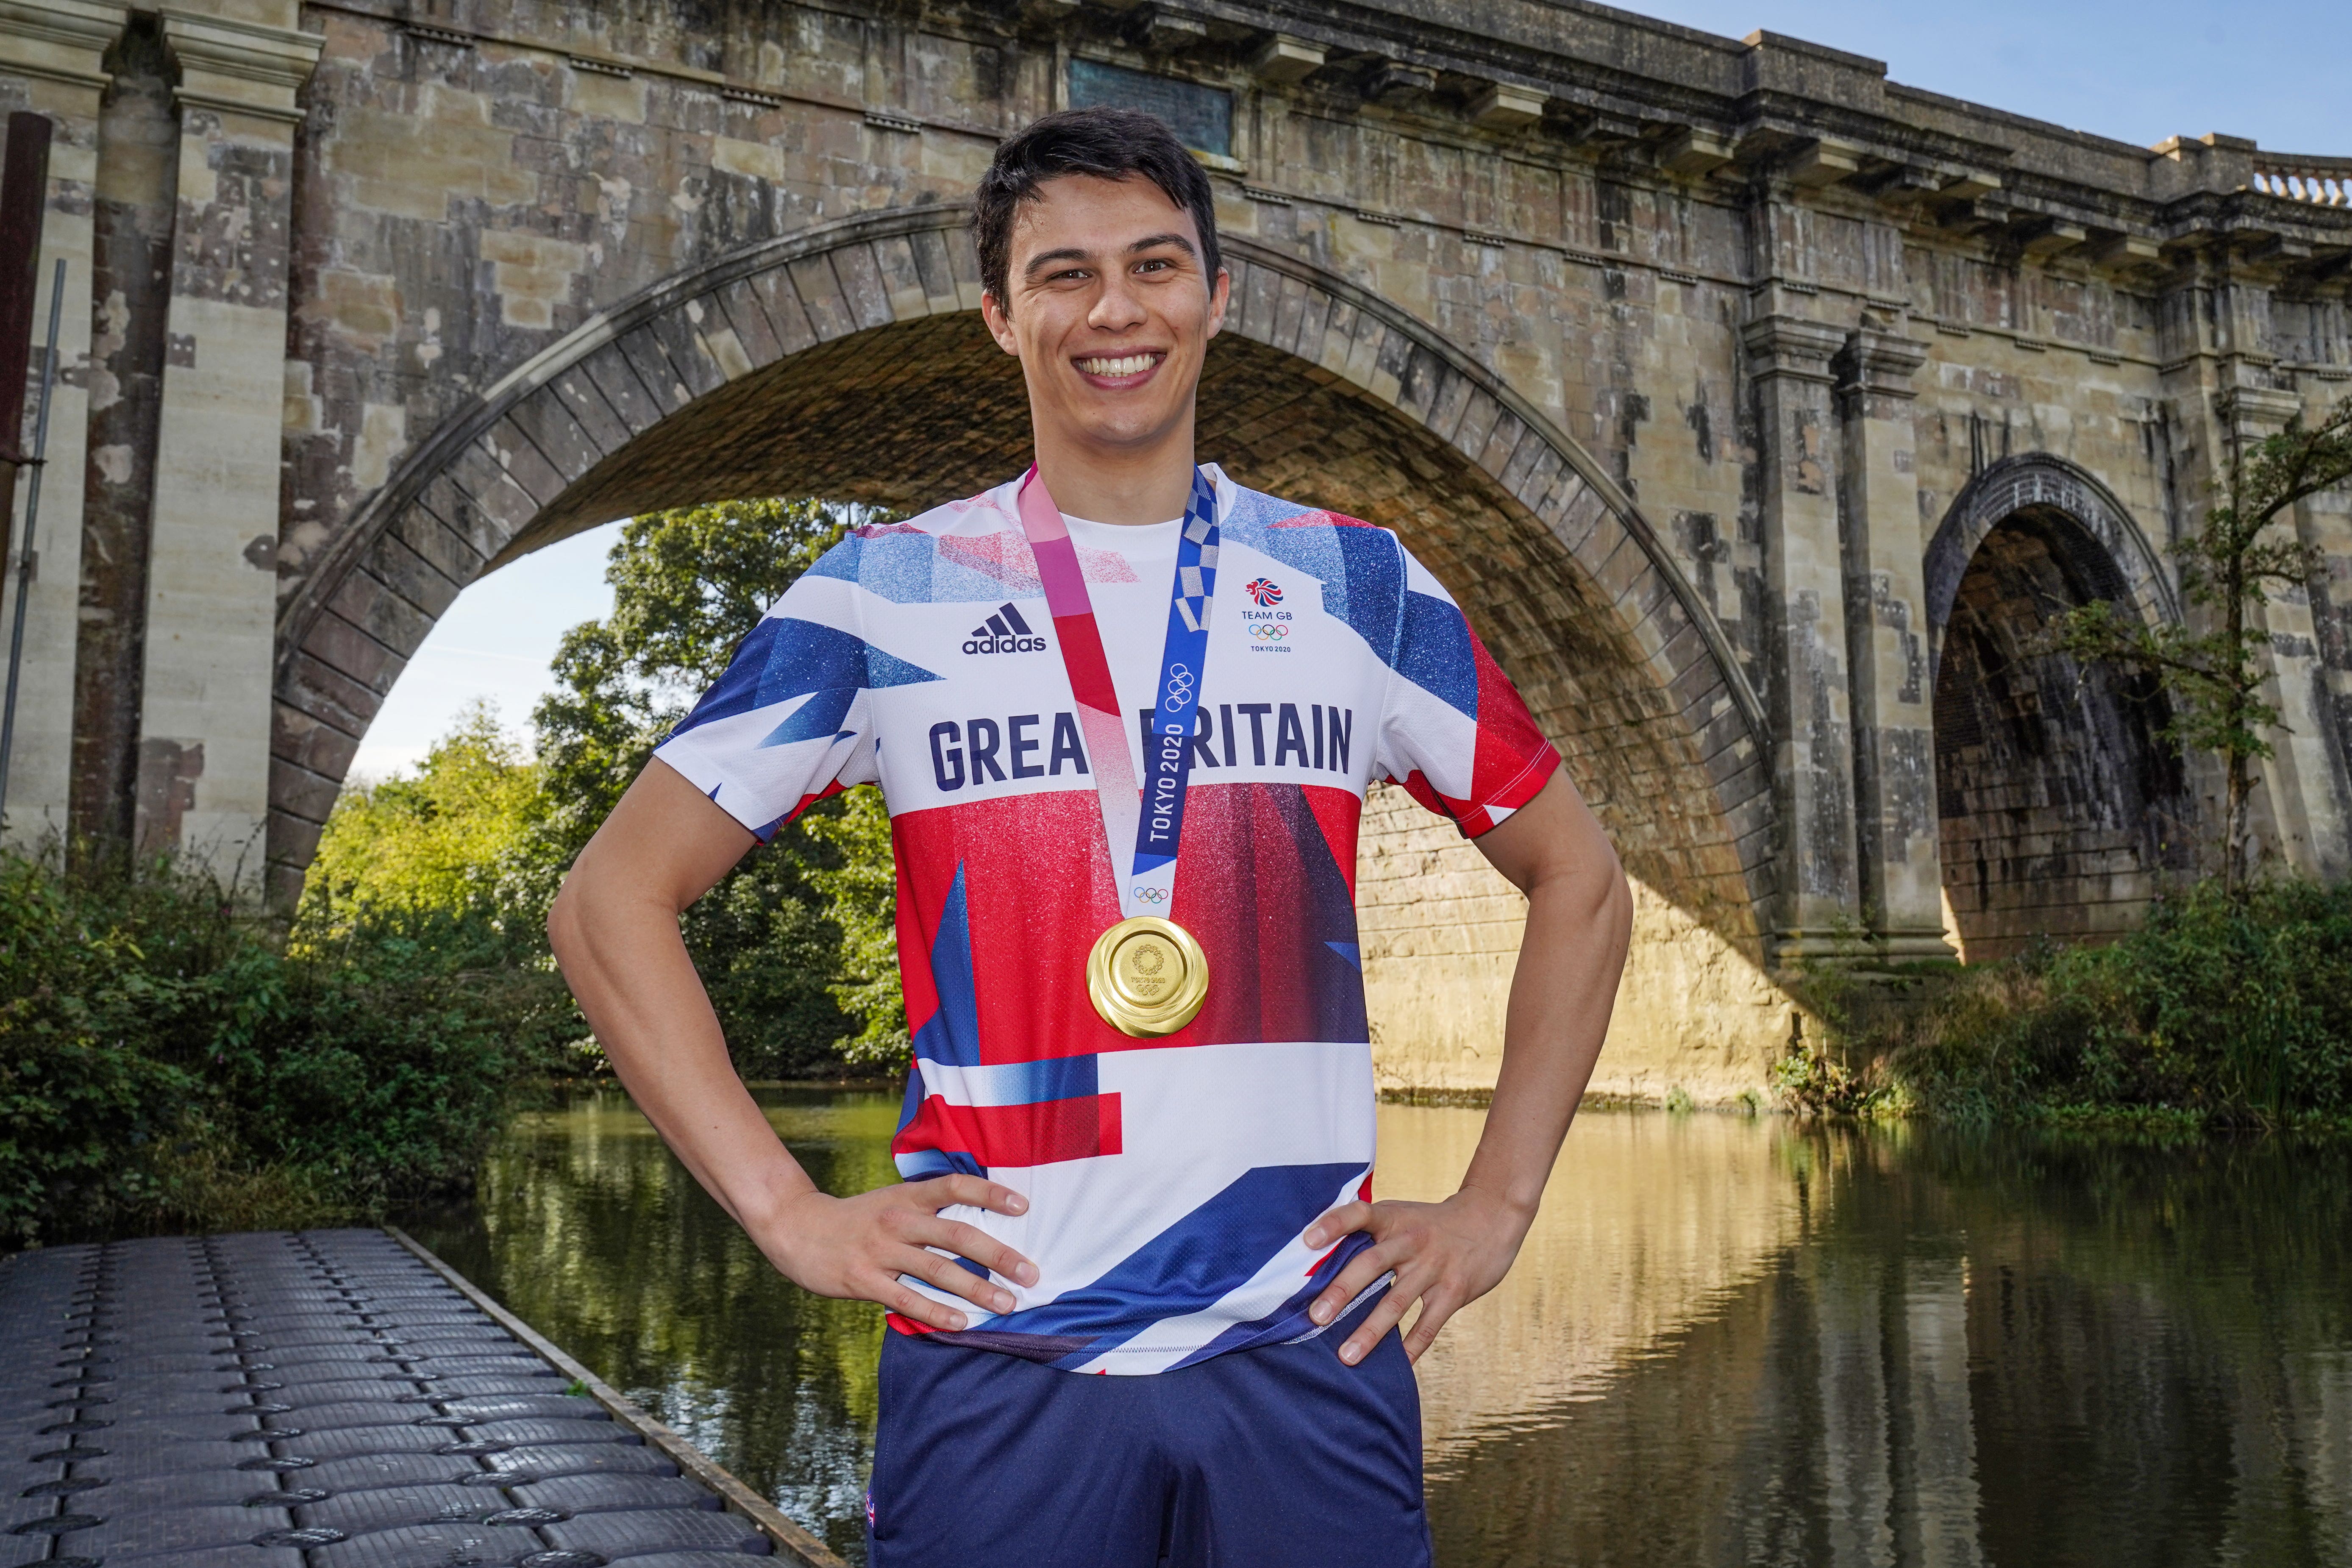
<point>1127,485</point>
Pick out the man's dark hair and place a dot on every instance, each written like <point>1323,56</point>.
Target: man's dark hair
<point>1108,143</point>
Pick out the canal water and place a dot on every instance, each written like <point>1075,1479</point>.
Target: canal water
<point>1729,1339</point>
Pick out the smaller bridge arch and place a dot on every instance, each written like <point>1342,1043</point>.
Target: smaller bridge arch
<point>2123,564</point>
<point>847,359</point>
<point>2059,806</point>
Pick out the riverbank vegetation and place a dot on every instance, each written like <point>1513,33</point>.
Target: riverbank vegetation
<point>2228,1008</point>
<point>170,1057</point>
<point>167,1061</point>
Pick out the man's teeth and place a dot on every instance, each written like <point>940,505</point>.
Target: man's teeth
<point>1126,365</point>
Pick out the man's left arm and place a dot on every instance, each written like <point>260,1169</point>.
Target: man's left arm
<point>1579,919</point>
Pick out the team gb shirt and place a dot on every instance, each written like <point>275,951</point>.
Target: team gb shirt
<point>1168,1180</point>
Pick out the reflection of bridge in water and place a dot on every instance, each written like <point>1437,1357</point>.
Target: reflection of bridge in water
<point>1648,1225</point>
<point>1758,409</point>
<point>1730,1342</point>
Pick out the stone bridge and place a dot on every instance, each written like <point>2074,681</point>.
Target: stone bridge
<point>1759,409</point>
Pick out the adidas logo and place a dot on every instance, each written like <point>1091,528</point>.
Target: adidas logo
<point>1003,632</point>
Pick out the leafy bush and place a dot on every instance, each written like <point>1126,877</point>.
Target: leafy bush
<point>163,1064</point>
<point>862,882</point>
<point>2235,1009</point>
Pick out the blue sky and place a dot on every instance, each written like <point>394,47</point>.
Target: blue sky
<point>2138,72</point>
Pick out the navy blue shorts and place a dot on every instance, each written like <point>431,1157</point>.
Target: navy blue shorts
<point>1276,1457</point>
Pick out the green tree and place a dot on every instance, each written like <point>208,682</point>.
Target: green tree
<point>2214,673</point>
<point>449,839</point>
<point>689,585</point>
<point>863,887</point>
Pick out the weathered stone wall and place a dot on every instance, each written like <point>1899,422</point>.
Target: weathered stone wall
<point>1440,932</point>
<point>52,66</point>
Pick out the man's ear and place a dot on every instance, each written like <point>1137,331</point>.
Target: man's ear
<point>1220,295</point>
<point>999,321</point>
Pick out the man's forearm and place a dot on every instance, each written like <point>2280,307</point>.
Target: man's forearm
<point>1579,921</point>
<point>616,935</point>
<point>614,930</point>
<point>1580,918</point>
<point>1578,924</point>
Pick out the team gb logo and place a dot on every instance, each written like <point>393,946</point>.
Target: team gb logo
<point>1264,592</point>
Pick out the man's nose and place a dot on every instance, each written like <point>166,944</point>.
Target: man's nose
<point>1118,307</point>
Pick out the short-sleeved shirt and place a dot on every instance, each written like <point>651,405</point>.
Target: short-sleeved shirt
<point>1170,1180</point>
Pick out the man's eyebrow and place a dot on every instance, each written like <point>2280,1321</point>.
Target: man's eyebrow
<point>1046,258</point>
<point>1151,241</point>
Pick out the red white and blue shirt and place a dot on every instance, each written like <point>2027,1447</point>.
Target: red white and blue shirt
<point>1168,1180</point>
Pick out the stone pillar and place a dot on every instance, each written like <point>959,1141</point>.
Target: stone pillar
<point>204,768</point>
<point>138,159</point>
<point>2305,774</point>
<point>52,56</point>
<point>1820,907</point>
<point>1898,866</point>
<point>2222,380</point>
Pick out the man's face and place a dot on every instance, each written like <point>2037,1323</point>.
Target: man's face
<point>1110,309</point>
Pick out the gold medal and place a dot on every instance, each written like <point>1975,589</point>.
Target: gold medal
<point>1146,976</point>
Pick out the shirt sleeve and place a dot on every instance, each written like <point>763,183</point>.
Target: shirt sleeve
<point>1453,731</point>
<point>791,721</point>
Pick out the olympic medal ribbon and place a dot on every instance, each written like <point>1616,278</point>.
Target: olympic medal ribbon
<point>1150,812</point>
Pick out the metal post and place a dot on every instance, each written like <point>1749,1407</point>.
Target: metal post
<point>25,558</point>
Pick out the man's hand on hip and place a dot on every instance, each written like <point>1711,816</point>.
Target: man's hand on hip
<point>859,1249</point>
<point>1445,1255</point>
<point>1580,918</point>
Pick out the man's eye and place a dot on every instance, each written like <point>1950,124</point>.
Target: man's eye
<point>1156,264</point>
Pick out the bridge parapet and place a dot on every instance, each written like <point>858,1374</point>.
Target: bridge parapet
<point>2322,181</point>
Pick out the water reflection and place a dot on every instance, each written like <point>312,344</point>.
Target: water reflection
<point>1728,1341</point>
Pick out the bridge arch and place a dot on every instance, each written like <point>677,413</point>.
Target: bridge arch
<point>2123,563</point>
<point>2060,806</point>
<point>819,363</point>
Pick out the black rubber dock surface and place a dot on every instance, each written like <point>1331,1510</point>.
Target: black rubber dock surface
<point>322,1399</point>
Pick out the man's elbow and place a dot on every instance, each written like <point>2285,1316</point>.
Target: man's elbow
<point>1617,903</point>
<point>1601,887</point>
<point>564,920</point>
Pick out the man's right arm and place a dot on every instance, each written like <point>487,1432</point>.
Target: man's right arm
<point>614,928</point>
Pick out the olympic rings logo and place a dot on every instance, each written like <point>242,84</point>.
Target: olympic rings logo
<point>1144,895</point>
<point>1180,686</point>
<point>1265,631</point>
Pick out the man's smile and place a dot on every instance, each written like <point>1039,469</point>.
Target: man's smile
<point>1116,371</point>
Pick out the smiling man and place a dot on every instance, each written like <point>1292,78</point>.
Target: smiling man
<point>1143,1308</point>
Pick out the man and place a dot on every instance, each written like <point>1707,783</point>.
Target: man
<point>1124,714</point>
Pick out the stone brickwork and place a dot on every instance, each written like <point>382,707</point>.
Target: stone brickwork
<point>1439,929</point>
<point>1721,380</point>
<point>131,287</point>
